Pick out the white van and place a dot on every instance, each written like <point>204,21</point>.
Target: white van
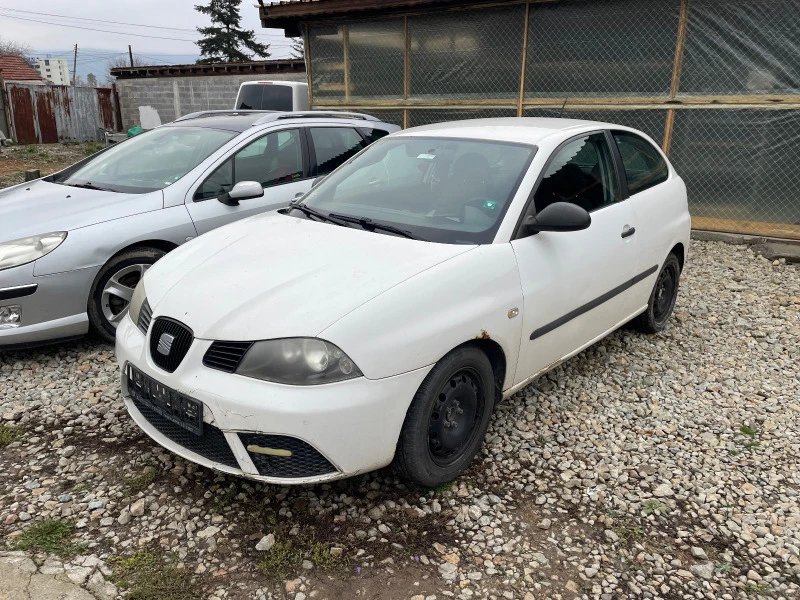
<point>272,95</point>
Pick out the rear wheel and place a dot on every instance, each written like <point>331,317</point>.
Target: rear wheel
<point>113,288</point>
<point>447,420</point>
<point>662,298</point>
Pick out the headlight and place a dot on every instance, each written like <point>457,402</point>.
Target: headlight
<point>137,300</point>
<point>27,249</point>
<point>297,361</point>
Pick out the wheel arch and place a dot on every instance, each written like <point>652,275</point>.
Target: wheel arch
<point>680,252</point>
<point>497,357</point>
<point>158,244</point>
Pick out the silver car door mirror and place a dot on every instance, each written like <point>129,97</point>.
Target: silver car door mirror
<point>244,190</point>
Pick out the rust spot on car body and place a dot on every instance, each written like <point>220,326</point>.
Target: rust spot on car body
<point>483,335</point>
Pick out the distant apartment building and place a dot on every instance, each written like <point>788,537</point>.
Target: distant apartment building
<point>55,70</point>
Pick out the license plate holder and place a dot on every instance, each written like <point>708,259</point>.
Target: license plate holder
<point>170,404</point>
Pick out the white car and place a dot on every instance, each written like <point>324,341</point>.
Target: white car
<point>379,318</point>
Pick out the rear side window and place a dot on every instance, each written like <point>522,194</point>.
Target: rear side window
<point>334,145</point>
<point>265,96</point>
<point>644,166</point>
<point>373,135</point>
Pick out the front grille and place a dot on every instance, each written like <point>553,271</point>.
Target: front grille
<point>145,316</point>
<point>169,343</point>
<point>305,461</point>
<point>226,356</point>
<point>211,444</point>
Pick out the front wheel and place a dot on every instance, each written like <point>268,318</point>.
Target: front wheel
<point>113,288</point>
<point>662,298</point>
<point>447,420</point>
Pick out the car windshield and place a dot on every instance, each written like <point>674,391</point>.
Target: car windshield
<point>148,162</point>
<point>445,190</point>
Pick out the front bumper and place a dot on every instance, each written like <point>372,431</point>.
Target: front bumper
<point>55,310</point>
<point>354,424</point>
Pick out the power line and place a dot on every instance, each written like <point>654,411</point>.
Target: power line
<point>101,30</point>
<point>127,24</point>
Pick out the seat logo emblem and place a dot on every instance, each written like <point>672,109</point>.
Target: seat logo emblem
<point>165,344</point>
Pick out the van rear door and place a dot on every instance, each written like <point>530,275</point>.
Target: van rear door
<point>264,95</point>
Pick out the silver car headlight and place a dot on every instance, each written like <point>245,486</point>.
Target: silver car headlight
<point>28,249</point>
<point>138,298</point>
<point>297,361</point>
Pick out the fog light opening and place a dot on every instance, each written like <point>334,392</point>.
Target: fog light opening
<point>10,316</point>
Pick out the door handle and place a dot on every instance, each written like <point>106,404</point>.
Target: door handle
<point>628,231</point>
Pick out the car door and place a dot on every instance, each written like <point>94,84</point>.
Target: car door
<point>574,284</point>
<point>277,160</point>
<point>654,198</point>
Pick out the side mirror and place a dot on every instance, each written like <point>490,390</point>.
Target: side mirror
<point>559,216</point>
<point>244,190</point>
<point>317,180</point>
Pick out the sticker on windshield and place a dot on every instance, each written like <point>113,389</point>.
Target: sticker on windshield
<point>427,156</point>
<point>490,204</point>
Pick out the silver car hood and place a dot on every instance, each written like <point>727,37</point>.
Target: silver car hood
<point>40,207</point>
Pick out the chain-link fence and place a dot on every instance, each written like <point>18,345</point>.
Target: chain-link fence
<point>716,83</point>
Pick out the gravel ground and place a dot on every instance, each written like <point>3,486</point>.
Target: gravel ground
<point>646,467</point>
<point>48,158</point>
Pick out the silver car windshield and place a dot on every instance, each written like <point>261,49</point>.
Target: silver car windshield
<point>436,189</point>
<point>148,162</point>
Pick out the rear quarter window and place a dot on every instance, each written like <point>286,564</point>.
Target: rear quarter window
<point>644,165</point>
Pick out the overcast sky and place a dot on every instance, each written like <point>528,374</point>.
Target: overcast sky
<point>76,20</point>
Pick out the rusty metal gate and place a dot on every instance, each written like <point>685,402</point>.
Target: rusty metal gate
<point>43,114</point>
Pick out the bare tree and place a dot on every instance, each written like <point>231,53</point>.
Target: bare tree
<point>122,62</point>
<point>16,48</point>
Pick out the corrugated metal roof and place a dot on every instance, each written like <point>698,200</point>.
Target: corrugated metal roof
<point>14,68</point>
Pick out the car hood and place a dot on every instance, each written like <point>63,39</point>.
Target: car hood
<point>40,207</point>
<point>275,276</point>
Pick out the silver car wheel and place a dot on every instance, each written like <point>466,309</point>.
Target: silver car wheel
<point>118,291</point>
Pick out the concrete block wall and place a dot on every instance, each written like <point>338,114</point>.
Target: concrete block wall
<point>150,101</point>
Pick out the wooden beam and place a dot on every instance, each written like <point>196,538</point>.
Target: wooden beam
<point>405,119</point>
<point>307,53</point>
<point>668,130</point>
<point>346,45</point>
<point>680,42</point>
<point>524,58</point>
<point>406,60</point>
<point>781,230</point>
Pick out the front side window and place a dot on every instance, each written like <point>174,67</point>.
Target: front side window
<point>438,189</point>
<point>148,162</point>
<point>270,160</point>
<point>644,165</point>
<point>334,145</point>
<point>581,172</point>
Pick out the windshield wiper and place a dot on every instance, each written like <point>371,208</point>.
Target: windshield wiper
<point>371,225</point>
<point>308,211</point>
<point>90,186</point>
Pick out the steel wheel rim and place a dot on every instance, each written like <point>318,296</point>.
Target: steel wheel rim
<point>664,294</point>
<point>455,416</point>
<point>115,298</point>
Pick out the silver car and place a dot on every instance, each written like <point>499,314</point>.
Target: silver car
<point>74,245</point>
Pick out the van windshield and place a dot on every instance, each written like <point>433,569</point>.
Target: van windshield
<point>264,96</point>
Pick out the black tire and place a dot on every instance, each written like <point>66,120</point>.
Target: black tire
<point>101,304</point>
<point>662,298</point>
<point>431,449</point>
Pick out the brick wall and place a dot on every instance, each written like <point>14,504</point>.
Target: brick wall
<point>167,98</point>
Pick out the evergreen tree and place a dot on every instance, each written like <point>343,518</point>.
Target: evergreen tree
<point>224,40</point>
<point>91,80</point>
<point>298,49</point>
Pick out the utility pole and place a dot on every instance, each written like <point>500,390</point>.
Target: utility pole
<point>75,67</point>
<point>130,54</point>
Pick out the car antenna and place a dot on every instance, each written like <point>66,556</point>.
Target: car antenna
<point>561,112</point>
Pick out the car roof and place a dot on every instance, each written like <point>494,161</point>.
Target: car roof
<point>275,82</point>
<point>242,120</point>
<point>527,130</point>
<point>238,123</point>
